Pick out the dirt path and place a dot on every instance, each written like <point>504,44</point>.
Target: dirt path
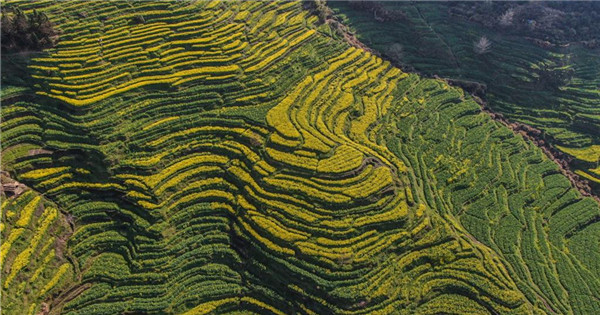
<point>454,58</point>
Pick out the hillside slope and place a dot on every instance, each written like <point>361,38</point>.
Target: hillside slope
<point>553,88</point>
<point>234,157</point>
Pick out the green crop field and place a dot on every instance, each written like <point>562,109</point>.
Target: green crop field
<point>524,81</point>
<point>208,157</point>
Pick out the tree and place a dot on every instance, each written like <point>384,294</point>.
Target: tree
<point>482,46</point>
<point>24,32</point>
<point>506,19</point>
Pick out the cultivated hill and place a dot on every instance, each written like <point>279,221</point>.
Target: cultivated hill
<point>550,83</point>
<point>239,157</point>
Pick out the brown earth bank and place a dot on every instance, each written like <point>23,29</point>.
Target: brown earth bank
<point>477,91</point>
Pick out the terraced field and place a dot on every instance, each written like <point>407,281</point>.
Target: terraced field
<point>504,192</point>
<point>33,254</point>
<point>525,82</point>
<point>233,157</point>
